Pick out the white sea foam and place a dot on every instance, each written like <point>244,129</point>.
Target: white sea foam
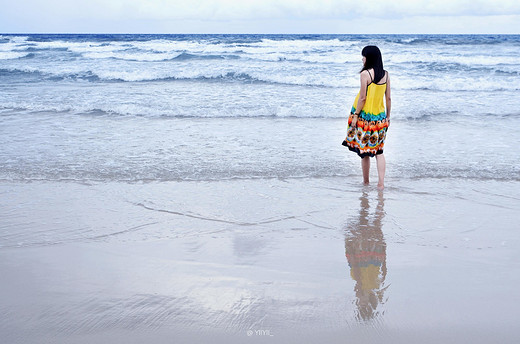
<point>131,56</point>
<point>326,51</point>
<point>8,55</point>
<point>15,39</point>
<point>463,58</point>
<point>284,73</point>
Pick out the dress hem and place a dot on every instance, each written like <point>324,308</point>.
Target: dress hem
<point>358,152</point>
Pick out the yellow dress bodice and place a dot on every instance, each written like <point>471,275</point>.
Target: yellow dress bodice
<point>374,108</point>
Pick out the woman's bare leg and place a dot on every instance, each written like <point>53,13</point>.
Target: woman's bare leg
<point>381,167</point>
<point>365,165</point>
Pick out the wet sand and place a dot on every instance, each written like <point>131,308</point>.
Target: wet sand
<point>266,260</point>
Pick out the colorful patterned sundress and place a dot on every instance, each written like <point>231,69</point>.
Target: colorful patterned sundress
<point>367,138</point>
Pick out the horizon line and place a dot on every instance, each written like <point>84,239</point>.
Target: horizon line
<point>244,33</point>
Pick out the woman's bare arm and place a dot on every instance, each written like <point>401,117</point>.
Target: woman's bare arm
<point>364,81</point>
<point>388,97</point>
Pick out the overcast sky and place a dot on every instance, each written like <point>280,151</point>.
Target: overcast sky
<point>259,16</point>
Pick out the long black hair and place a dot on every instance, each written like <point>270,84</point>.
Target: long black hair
<point>373,60</point>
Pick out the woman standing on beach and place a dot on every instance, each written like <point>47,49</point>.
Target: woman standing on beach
<point>368,120</point>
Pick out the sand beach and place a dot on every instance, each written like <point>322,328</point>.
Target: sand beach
<point>271,261</point>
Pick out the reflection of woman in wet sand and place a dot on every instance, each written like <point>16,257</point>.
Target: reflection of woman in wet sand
<point>365,249</point>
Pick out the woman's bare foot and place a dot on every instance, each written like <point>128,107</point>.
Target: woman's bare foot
<point>380,186</point>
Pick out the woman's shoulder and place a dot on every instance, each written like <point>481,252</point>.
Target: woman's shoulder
<point>366,75</point>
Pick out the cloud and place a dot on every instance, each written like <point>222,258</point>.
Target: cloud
<point>308,9</point>
<point>263,9</point>
<point>221,15</point>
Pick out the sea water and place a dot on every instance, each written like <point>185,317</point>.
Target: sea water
<point>212,107</point>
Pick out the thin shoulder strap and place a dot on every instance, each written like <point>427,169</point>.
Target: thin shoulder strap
<point>371,78</point>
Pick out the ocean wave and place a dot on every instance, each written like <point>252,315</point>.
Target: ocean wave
<point>29,56</point>
<point>154,172</point>
<point>14,38</point>
<point>470,40</point>
<point>317,51</point>
<point>144,56</point>
<point>474,69</point>
<point>137,109</point>
<point>164,107</point>
<point>321,51</point>
<point>187,56</point>
<point>401,82</point>
<point>130,55</point>
<point>15,72</point>
<point>410,41</point>
<point>224,76</point>
<point>316,60</point>
<point>303,45</point>
<point>465,59</point>
<point>495,80</point>
<point>40,49</point>
<point>12,55</point>
<point>107,75</point>
<point>37,75</point>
